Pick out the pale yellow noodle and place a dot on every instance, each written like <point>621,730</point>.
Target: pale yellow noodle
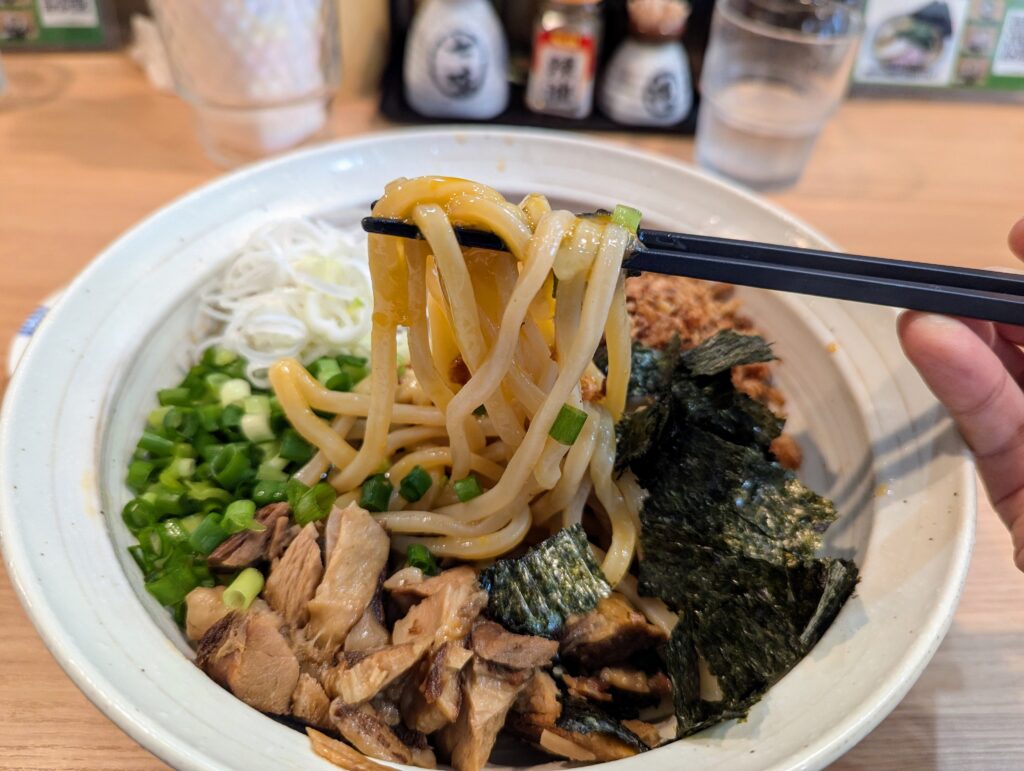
<point>620,550</point>
<point>620,352</point>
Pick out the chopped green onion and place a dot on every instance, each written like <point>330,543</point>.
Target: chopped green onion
<point>229,466</point>
<point>155,419</point>
<point>325,368</point>
<point>257,405</point>
<point>178,397</point>
<point>138,513</point>
<point>209,535</point>
<point>139,472</point>
<point>315,503</point>
<point>140,557</point>
<point>294,447</point>
<point>568,424</point>
<point>627,217</point>
<point>269,491</point>
<point>269,471</point>
<point>183,450</point>
<point>168,502</point>
<point>239,516</point>
<point>233,391</point>
<point>342,381</point>
<point>204,491</point>
<point>294,490</point>
<point>347,360</point>
<point>467,489</point>
<point>418,556</point>
<point>231,416</point>
<point>415,484</point>
<point>182,421</point>
<point>256,428</point>
<point>244,589</point>
<point>214,382</point>
<point>171,532</point>
<point>215,356</point>
<point>155,444</point>
<point>376,493</point>
<point>209,416</point>
<point>190,523</point>
<point>172,586</point>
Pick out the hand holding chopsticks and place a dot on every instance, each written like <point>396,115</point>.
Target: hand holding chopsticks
<point>978,294</point>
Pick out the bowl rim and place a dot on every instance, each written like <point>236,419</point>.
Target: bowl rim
<point>104,693</point>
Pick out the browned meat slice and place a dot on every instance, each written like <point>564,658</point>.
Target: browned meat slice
<point>587,747</point>
<point>203,608</point>
<point>361,676</point>
<point>364,728</point>
<point>647,732</point>
<point>349,582</point>
<point>610,633</point>
<point>454,601</point>
<point>243,549</point>
<point>403,588</point>
<point>488,694</point>
<point>432,700</point>
<point>281,535</point>
<point>539,703</point>
<point>369,632</point>
<point>635,681</point>
<point>331,529</point>
<point>517,651</point>
<point>309,702</point>
<point>294,578</point>
<point>587,688</point>
<point>340,754</point>
<point>247,654</point>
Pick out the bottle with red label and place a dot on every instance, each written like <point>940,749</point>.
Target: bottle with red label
<point>566,39</point>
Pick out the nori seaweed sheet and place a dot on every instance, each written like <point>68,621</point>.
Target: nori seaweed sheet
<point>728,535</point>
<point>537,592</point>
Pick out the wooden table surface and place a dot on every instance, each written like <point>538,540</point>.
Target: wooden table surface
<point>87,148</point>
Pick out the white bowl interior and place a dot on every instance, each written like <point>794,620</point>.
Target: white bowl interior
<point>874,440</point>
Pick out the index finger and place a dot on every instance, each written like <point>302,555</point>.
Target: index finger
<point>1016,238</point>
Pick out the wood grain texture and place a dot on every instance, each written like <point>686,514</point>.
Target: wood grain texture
<point>87,148</point>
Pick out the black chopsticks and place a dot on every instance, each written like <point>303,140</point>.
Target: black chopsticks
<point>978,294</point>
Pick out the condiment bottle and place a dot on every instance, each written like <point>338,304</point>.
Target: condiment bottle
<point>456,61</point>
<point>648,82</point>
<point>566,40</point>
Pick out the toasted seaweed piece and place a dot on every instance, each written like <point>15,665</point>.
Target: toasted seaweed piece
<point>726,350</point>
<point>730,497</point>
<point>728,536</point>
<point>581,717</point>
<point>750,634</point>
<point>668,386</point>
<point>537,592</point>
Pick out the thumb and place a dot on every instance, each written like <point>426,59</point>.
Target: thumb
<point>975,384</point>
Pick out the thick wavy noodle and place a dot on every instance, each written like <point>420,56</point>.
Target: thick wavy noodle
<point>496,354</point>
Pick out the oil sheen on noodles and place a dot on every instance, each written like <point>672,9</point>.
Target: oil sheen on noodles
<point>494,358</point>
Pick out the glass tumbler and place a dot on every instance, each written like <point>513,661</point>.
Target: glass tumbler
<point>774,72</point>
<point>260,74</point>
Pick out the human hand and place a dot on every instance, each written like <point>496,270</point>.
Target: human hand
<point>976,369</point>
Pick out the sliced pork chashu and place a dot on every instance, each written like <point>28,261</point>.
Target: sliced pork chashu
<point>610,633</point>
<point>349,583</point>
<point>247,654</point>
<point>248,547</point>
<point>366,730</point>
<point>489,691</point>
<point>294,578</point>
<point>432,699</point>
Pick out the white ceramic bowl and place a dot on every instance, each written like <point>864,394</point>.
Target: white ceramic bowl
<point>875,441</point>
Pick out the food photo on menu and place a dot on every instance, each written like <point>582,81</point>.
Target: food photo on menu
<point>448,384</point>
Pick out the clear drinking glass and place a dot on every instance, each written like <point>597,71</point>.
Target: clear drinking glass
<point>774,72</point>
<point>260,74</point>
